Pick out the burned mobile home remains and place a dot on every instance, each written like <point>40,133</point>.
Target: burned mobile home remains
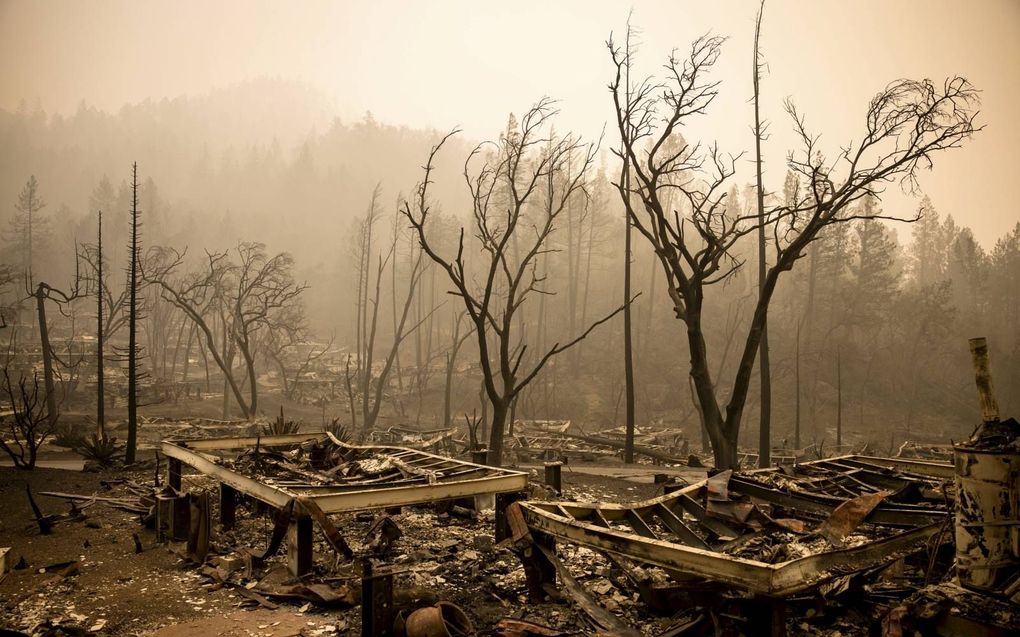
<point>336,477</point>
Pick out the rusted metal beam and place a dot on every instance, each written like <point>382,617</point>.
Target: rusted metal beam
<point>774,580</point>
<point>245,442</point>
<point>419,494</point>
<point>494,480</point>
<point>270,495</point>
<point>687,503</point>
<point>673,522</point>
<point>902,515</point>
<point>909,466</point>
<point>604,621</point>
<point>639,525</point>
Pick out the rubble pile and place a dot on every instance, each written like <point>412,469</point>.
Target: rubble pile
<point>332,538</point>
<point>825,547</point>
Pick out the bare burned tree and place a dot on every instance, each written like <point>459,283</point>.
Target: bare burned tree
<point>29,424</point>
<point>44,292</point>
<point>457,339</point>
<point>907,124</point>
<point>7,279</point>
<point>247,296</point>
<point>372,386</point>
<point>503,189</point>
<point>264,288</point>
<point>289,333</point>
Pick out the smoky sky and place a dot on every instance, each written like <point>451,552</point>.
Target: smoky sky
<point>451,63</point>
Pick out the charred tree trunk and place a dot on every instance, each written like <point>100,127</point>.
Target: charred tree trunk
<point>839,399</point>
<point>100,371</point>
<point>500,410</point>
<point>764,369</point>
<point>47,354</point>
<point>796,419</point>
<point>132,437</point>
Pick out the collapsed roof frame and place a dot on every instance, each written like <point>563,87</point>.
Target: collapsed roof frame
<point>590,524</point>
<point>434,478</point>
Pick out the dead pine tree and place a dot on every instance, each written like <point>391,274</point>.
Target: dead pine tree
<point>29,227</point>
<point>7,277</point>
<point>132,352</point>
<point>503,176</point>
<point>110,317</point>
<point>372,386</point>
<point>906,125</point>
<point>100,371</point>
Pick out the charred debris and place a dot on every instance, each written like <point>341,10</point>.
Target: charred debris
<point>411,533</point>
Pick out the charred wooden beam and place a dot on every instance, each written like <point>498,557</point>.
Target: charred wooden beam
<point>173,470</point>
<point>228,506</point>
<point>376,601</point>
<point>554,476</point>
<point>299,544</point>
<point>200,524</point>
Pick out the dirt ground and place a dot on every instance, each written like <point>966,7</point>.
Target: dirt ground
<point>110,589</point>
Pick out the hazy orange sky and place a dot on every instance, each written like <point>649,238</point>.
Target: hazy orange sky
<point>444,63</point>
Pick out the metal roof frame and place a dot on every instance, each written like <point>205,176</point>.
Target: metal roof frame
<point>424,477</point>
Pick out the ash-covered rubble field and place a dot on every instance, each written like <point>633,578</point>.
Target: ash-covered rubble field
<point>311,535</point>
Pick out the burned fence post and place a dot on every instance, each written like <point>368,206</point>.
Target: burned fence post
<point>173,517</point>
<point>767,616</point>
<point>228,506</point>
<point>173,471</point>
<point>538,570</point>
<point>484,501</point>
<point>504,500</point>
<point>478,455</point>
<point>200,524</point>
<point>299,544</point>
<point>376,601</point>
<point>554,476</point>
<point>531,547</point>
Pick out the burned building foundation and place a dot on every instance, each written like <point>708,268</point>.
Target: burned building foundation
<point>306,477</point>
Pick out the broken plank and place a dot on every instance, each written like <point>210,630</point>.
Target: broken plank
<point>600,617</point>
